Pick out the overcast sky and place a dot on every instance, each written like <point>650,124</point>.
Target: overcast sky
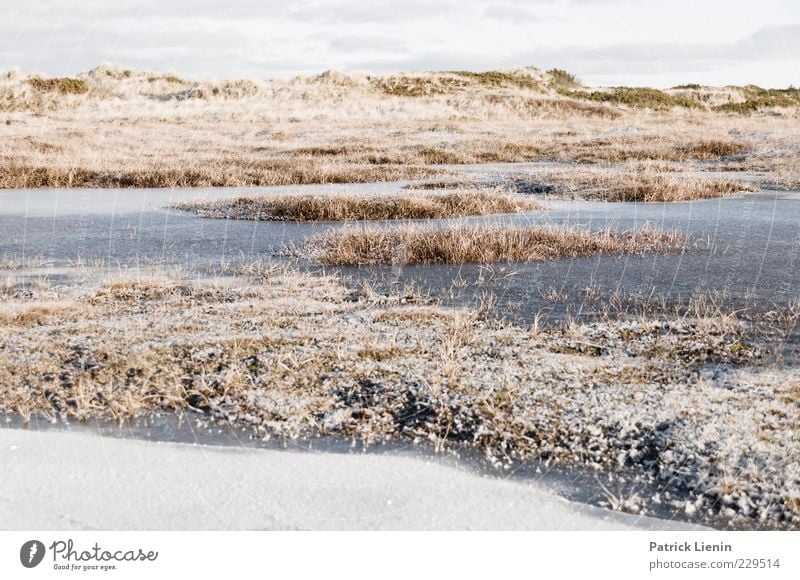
<point>643,42</point>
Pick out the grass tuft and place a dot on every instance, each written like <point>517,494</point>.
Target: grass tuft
<point>496,78</point>
<point>342,207</point>
<point>561,79</point>
<point>481,244</point>
<point>218,172</point>
<point>418,86</point>
<point>634,184</point>
<point>714,149</point>
<point>62,86</point>
<point>757,98</point>
<point>635,97</point>
<point>659,188</point>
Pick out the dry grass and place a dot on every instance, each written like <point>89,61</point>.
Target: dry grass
<point>16,314</point>
<point>668,189</point>
<point>714,149</point>
<point>346,207</point>
<point>636,97</point>
<point>639,182</point>
<point>482,244</point>
<point>136,129</point>
<point>63,86</point>
<point>9,262</point>
<point>214,173</point>
<point>661,147</point>
<point>295,356</point>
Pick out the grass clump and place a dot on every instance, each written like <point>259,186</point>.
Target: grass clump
<point>480,244</point>
<point>62,86</point>
<point>417,86</point>
<point>757,98</point>
<point>714,149</point>
<point>635,184</point>
<point>649,148</point>
<point>635,97</point>
<point>167,78</point>
<point>561,79</point>
<point>216,172</point>
<point>659,188</point>
<point>439,156</point>
<point>496,78</point>
<point>433,84</point>
<point>344,207</point>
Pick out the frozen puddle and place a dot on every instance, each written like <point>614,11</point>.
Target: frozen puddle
<point>65,480</point>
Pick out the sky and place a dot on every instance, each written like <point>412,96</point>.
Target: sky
<point>613,42</point>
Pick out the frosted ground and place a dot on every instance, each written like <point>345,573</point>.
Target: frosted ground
<point>665,382</point>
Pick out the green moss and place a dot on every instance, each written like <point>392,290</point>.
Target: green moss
<point>495,78</point>
<point>410,86</point>
<point>167,78</point>
<point>450,82</point>
<point>561,79</point>
<point>758,98</point>
<point>637,97</point>
<point>739,347</point>
<point>64,86</point>
<point>743,108</point>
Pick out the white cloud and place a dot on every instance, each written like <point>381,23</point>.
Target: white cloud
<point>510,12</point>
<point>622,41</point>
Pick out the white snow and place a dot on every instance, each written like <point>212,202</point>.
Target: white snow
<point>70,481</point>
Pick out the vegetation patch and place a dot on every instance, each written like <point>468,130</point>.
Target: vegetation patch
<point>219,172</point>
<point>345,207</point>
<point>495,78</point>
<point>680,403</point>
<point>338,129</point>
<point>635,97</point>
<point>418,86</point>
<point>626,185</point>
<point>167,78</point>
<point>439,156</point>
<point>714,149</point>
<point>481,244</point>
<point>562,80</point>
<point>62,86</point>
<point>648,148</point>
<point>658,188</point>
<point>757,98</point>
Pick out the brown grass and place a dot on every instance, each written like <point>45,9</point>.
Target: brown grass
<point>215,173</point>
<point>63,86</point>
<point>282,357</point>
<point>654,147</point>
<point>36,314</point>
<point>659,188</point>
<point>482,244</point>
<point>638,182</point>
<point>344,206</point>
<point>137,129</point>
<point>714,149</point>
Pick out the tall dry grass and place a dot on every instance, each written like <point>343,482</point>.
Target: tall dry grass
<point>349,206</point>
<point>482,244</point>
<point>629,184</point>
<point>136,129</point>
<point>661,188</point>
